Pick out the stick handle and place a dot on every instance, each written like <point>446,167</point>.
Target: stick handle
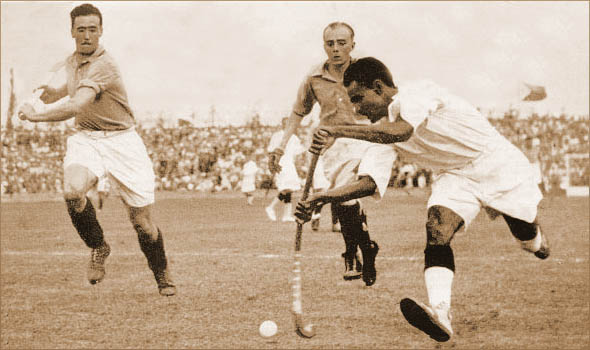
<point>306,189</point>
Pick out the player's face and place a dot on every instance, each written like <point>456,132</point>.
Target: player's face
<point>367,101</point>
<point>86,31</point>
<point>338,44</point>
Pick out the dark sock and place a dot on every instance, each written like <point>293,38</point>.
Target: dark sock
<point>351,219</point>
<point>521,230</point>
<point>334,213</point>
<point>86,224</point>
<point>439,255</point>
<point>153,250</point>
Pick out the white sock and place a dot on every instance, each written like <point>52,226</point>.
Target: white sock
<point>274,203</point>
<point>439,281</point>
<point>288,209</point>
<point>534,244</point>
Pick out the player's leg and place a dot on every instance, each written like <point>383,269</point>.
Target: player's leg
<point>439,270</point>
<point>335,223</point>
<point>81,167</point>
<point>151,243</point>
<point>355,231</point>
<point>131,169</point>
<point>288,207</point>
<point>451,206</point>
<point>530,236</point>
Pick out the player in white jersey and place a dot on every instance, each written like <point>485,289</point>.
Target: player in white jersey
<point>249,172</point>
<point>474,167</point>
<point>287,180</point>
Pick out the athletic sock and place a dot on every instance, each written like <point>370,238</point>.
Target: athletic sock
<point>534,244</point>
<point>334,213</point>
<point>274,203</point>
<point>153,250</point>
<point>86,223</point>
<point>288,210</point>
<point>439,281</point>
<point>353,226</point>
<point>353,217</point>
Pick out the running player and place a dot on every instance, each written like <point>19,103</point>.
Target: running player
<point>287,179</point>
<point>105,143</point>
<point>324,86</point>
<point>474,167</point>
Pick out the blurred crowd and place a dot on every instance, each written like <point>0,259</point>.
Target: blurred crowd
<point>210,159</point>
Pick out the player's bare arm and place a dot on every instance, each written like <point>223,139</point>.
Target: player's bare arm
<point>51,94</point>
<point>385,133</point>
<point>84,97</point>
<point>363,187</point>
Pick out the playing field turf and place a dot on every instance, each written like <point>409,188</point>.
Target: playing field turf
<point>233,266</point>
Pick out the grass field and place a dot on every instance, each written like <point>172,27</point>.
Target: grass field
<point>233,267</point>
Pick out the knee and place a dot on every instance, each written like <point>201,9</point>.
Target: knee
<point>438,234</point>
<point>144,226</point>
<point>73,194</point>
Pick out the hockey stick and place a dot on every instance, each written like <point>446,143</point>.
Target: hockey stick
<point>304,331</point>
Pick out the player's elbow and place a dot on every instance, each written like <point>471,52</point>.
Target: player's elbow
<point>369,187</point>
<point>398,132</point>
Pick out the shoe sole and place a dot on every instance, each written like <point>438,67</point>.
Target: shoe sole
<point>415,314</point>
<point>352,278</point>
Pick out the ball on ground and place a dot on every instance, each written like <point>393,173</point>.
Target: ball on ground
<point>268,329</point>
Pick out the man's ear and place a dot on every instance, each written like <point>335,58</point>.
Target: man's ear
<point>378,87</point>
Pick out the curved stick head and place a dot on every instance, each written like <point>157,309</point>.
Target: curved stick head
<point>306,331</point>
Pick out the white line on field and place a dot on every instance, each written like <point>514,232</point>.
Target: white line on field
<point>226,253</point>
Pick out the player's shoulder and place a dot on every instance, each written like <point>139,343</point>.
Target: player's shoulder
<point>316,70</point>
<point>104,61</point>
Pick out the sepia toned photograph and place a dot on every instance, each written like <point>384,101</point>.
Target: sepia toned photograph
<point>295,175</point>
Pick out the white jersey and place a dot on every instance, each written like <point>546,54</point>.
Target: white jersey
<point>448,131</point>
<point>293,148</point>
<point>287,179</point>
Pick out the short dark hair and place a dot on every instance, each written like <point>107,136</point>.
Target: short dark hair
<point>340,24</point>
<point>365,71</point>
<point>85,10</point>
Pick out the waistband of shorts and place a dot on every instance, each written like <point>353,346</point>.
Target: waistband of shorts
<point>104,133</point>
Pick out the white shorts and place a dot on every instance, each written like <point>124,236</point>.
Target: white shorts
<point>320,181</point>
<point>341,160</point>
<point>120,155</point>
<point>353,158</point>
<point>288,179</point>
<point>503,180</point>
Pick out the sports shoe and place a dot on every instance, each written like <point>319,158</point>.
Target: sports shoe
<point>349,271</point>
<point>544,251</point>
<point>165,285</point>
<point>369,271</point>
<point>271,214</point>
<point>434,321</point>
<point>336,227</point>
<point>98,256</point>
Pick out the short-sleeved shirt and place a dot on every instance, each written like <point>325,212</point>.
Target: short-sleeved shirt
<point>448,131</point>
<point>321,87</point>
<point>110,110</point>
